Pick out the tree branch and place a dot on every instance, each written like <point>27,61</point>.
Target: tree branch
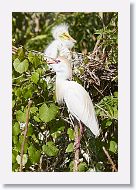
<point>25,134</point>
<point>110,160</point>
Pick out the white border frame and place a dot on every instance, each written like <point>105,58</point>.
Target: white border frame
<point>123,174</point>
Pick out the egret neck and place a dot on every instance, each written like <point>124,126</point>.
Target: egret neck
<point>60,83</point>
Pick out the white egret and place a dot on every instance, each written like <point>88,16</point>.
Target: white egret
<point>74,95</point>
<point>62,43</point>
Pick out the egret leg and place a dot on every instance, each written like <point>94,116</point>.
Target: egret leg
<point>81,129</point>
<point>78,128</point>
<point>77,145</point>
<point>80,135</point>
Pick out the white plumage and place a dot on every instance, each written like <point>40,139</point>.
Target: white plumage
<point>75,96</point>
<point>62,43</point>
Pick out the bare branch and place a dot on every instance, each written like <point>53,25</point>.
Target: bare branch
<point>110,160</point>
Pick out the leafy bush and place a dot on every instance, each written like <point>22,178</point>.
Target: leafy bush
<point>50,137</point>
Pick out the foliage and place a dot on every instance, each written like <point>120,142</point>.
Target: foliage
<point>49,144</point>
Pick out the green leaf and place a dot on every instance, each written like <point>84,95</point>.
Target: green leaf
<point>53,110</point>
<point>13,158</point>
<point>71,166</point>
<point>43,84</point>
<point>108,123</point>
<point>15,139</point>
<point>13,103</point>
<point>18,92</point>
<point>57,133</point>
<point>46,113</point>
<point>20,67</point>
<point>116,94</point>
<point>20,53</point>
<point>70,147</point>
<point>34,137</point>
<point>34,59</point>
<point>36,158</point>
<point>15,167</point>
<point>21,116</point>
<point>27,92</point>
<point>24,161</point>
<point>30,130</point>
<point>14,155</point>
<point>115,112</point>
<point>113,146</point>
<point>70,133</point>
<point>50,149</point>
<point>35,77</point>
<point>56,128</point>
<point>16,129</point>
<point>40,71</point>
<point>82,167</point>
<point>31,57</point>
<point>100,167</point>
<point>36,119</point>
<point>18,145</point>
<point>34,154</point>
<point>110,110</point>
<point>33,109</point>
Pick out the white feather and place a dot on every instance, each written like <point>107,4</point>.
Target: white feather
<point>59,47</point>
<point>75,96</point>
<point>80,105</point>
<point>58,30</point>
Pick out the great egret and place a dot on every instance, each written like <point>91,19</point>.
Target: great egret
<point>62,43</point>
<point>74,95</point>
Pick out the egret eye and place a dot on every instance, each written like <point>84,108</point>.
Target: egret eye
<point>65,36</point>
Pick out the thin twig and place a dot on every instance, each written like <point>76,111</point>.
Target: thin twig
<point>98,90</point>
<point>14,50</point>
<point>66,120</point>
<point>107,114</point>
<point>40,164</point>
<point>25,134</point>
<point>105,88</point>
<point>110,160</point>
<point>96,45</point>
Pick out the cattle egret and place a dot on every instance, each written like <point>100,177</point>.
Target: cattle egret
<point>74,95</point>
<point>62,43</point>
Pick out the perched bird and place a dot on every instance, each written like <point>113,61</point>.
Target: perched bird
<point>74,95</point>
<point>62,43</point>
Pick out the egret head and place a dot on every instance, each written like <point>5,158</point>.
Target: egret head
<point>61,33</point>
<point>62,67</point>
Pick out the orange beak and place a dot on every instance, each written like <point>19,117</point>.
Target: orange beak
<point>53,61</point>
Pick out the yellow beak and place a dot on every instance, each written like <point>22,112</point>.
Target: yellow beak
<point>66,36</point>
<point>70,38</point>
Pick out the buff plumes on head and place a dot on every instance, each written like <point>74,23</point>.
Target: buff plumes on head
<point>61,32</point>
<point>59,29</point>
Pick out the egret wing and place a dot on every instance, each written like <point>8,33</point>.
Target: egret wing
<point>80,105</point>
